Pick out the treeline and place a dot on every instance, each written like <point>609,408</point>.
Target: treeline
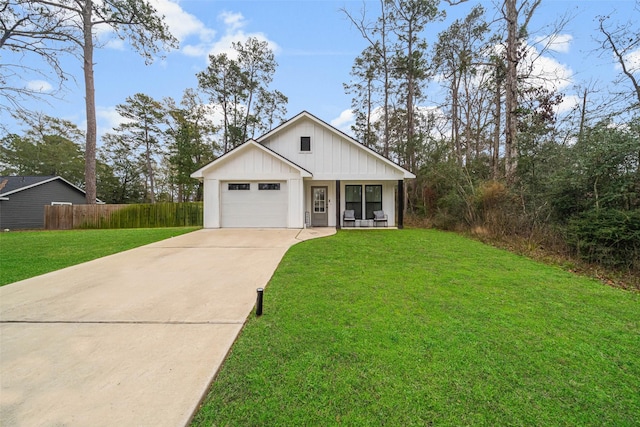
<point>495,156</point>
<point>150,156</point>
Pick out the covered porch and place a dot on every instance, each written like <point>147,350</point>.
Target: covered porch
<point>325,202</point>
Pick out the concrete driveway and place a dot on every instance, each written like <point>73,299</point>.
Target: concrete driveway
<point>135,338</point>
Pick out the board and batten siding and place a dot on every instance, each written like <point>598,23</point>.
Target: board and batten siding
<point>25,209</point>
<point>252,165</point>
<point>332,155</point>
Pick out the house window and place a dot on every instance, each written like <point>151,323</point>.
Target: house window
<point>319,200</point>
<point>353,199</point>
<point>269,186</point>
<point>243,186</point>
<point>305,144</point>
<point>373,199</point>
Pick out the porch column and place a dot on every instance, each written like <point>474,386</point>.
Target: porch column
<point>337,204</point>
<point>400,203</point>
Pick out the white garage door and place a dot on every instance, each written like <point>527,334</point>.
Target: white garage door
<point>254,204</point>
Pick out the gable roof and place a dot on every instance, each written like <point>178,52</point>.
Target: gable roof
<point>240,149</point>
<point>11,184</point>
<point>14,184</point>
<point>306,115</point>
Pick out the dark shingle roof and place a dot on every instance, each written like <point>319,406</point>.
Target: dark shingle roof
<point>9,184</point>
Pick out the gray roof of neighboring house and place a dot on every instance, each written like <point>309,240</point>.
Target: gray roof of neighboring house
<point>11,184</point>
<point>14,184</point>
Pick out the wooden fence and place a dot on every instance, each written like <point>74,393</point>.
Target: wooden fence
<point>66,217</point>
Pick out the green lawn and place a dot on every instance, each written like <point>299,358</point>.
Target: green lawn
<point>420,327</point>
<point>30,253</point>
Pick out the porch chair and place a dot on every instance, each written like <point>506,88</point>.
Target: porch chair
<point>379,217</point>
<point>349,216</point>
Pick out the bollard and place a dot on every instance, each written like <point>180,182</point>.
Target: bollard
<point>259,302</point>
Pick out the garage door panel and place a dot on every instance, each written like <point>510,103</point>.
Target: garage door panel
<point>253,207</point>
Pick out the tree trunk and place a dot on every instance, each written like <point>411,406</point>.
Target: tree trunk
<point>583,114</point>
<point>511,86</point>
<point>387,89</point>
<point>411,157</point>
<point>152,187</point>
<point>455,118</point>
<point>90,94</point>
<point>496,130</point>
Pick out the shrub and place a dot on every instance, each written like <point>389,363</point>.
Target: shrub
<point>153,215</point>
<point>610,237</point>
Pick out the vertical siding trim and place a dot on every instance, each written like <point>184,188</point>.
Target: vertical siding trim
<point>338,204</point>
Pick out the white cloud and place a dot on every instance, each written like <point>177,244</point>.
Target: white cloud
<point>233,21</point>
<point>234,32</point>
<point>556,42</point>
<point>39,86</point>
<point>115,44</point>
<point>544,71</point>
<point>109,118</point>
<point>632,61</point>
<point>182,24</point>
<point>568,103</point>
<point>344,121</point>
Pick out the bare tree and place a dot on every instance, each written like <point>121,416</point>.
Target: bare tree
<point>516,33</point>
<point>30,29</point>
<point>134,20</point>
<point>622,40</point>
<point>377,57</point>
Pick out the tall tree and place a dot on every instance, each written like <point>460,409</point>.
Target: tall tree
<point>127,168</point>
<point>409,18</point>
<point>517,18</point>
<point>188,140</point>
<point>622,41</point>
<point>134,20</point>
<point>143,132</point>
<point>30,28</point>
<point>50,146</point>
<point>459,57</point>
<point>374,64</point>
<point>240,88</point>
<point>365,87</point>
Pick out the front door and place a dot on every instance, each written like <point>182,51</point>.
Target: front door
<point>319,208</point>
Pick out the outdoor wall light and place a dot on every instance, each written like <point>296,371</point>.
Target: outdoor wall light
<point>259,302</point>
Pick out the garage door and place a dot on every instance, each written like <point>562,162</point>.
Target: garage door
<point>254,204</point>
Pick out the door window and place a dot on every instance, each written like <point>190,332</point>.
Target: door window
<point>319,200</point>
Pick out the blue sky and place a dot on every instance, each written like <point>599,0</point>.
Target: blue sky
<point>315,46</point>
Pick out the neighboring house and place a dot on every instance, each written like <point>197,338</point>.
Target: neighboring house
<point>22,199</point>
<point>302,173</point>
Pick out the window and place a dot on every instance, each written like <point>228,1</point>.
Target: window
<point>269,186</point>
<point>305,143</point>
<point>244,186</point>
<point>353,199</point>
<point>373,199</point>
<point>319,200</point>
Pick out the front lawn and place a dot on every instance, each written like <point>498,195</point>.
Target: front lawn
<point>31,253</point>
<point>421,327</point>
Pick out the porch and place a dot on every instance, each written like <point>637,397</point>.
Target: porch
<point>326,201</point>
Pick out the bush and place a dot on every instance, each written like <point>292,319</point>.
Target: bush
<point>152,216</point>
<point>610,237</point>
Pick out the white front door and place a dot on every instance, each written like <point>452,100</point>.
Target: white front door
<point>319,207</point>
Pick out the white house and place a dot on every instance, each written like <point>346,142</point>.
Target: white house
<point>303,173</point>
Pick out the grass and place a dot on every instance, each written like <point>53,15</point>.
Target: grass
<point>28,254</point>
<point>421,327</point>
